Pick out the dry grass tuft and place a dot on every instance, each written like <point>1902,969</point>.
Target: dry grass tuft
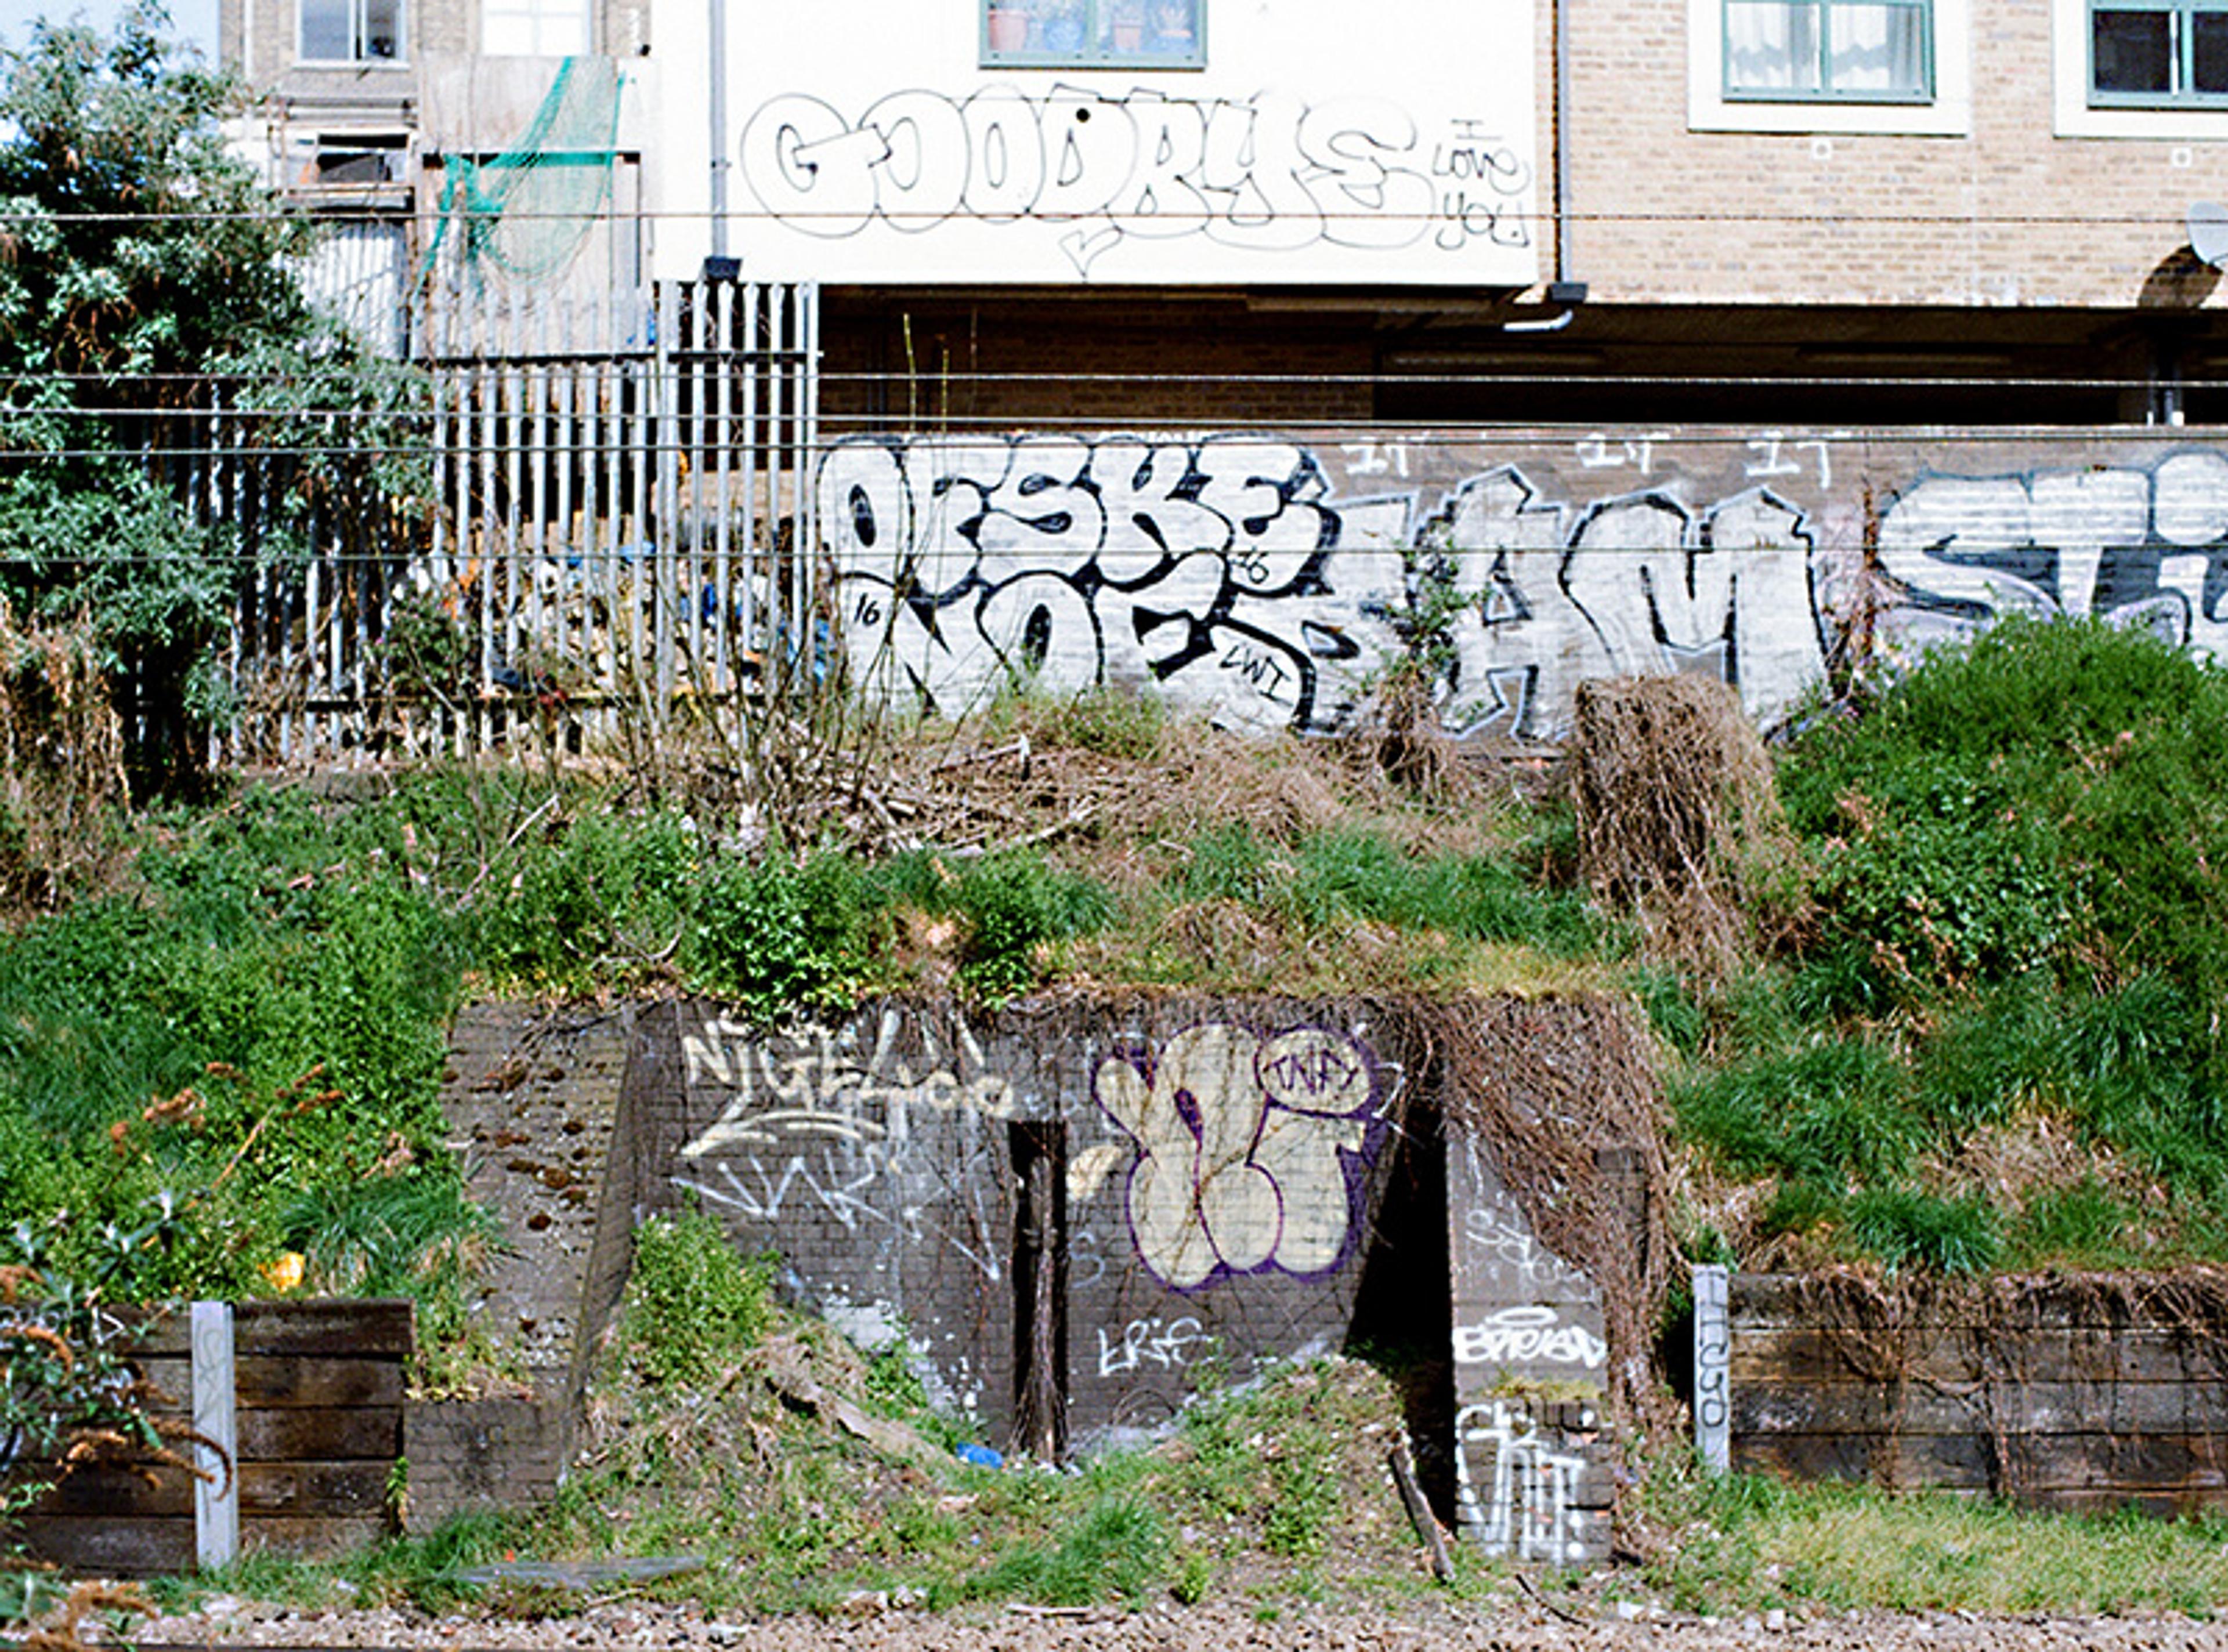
<point>62,765</point>
<point>1679,819</point>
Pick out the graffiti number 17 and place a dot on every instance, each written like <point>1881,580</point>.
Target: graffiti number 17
<point>1376,458</point>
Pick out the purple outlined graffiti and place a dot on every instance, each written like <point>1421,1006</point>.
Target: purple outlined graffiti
<point>1249,1149</point>
<point>1101,171</point>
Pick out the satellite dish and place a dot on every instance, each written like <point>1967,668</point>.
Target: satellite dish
<point>2208,232</point>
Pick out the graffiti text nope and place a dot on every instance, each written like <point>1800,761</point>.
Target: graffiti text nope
<point>1245,1144</point>
<point>1211,570</point>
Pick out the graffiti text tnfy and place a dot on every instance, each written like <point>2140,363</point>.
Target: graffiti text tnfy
<point>1244,1149</point>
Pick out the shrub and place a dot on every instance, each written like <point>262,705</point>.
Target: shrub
<point>1017,909</point>
<point>693,1303</point>
<point>781,934</point>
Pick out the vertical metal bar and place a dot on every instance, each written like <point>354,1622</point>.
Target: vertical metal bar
<point>780,611</point>
<point>750,620</point>
<point>514,466</point>
<point>323,541</point>
<point>485,523</point>
<point>610,401</point>
<point>642,570</point>
<point>572,589</point>
<point>216,1491</point>
<point>692,373</point>
<point>668,443</point>
<point>722,454</point>
<point>535,541</point>
<point>806,539</point>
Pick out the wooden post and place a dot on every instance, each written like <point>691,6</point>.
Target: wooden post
<point>1712,1371</point>
<point>216,1499</point>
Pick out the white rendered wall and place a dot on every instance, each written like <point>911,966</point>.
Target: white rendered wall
<point>1321,143</point>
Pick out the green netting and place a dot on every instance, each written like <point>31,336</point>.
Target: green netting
<point>527,211</point>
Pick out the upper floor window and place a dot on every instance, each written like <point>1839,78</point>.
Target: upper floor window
<point>1085,33</point>
<point>533,28</point>
<point>2151,53</point>
<point>351,31</point>
<point>1852,51</point>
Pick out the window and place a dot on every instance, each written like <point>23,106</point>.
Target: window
<point>2149,52</point>
<point>1902,67</point>
<point>1082,34</point>
<point>352,31</point>
<point>1859,51</point>
<point>533,28</point>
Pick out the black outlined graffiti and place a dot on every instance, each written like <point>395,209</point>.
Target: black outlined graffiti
<point>1268,174</point>
<point>1213,570</point>
<point>2136,546</point>
<point>1225,572</point>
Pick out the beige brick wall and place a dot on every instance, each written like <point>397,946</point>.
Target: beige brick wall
<point>2006,215</point>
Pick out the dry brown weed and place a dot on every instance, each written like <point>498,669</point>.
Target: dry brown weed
<point>1679,818</point>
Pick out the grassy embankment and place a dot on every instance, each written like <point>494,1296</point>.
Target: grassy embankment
<point>1983,1031</point>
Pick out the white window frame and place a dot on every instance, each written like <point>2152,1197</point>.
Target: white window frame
<point>2076,118</point>
<point>534,16</point>
<point>1949,114</point>
<point>361,60</point>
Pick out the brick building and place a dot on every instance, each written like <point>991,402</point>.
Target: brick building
<point>1879,208</point>
<point>1778,211</point>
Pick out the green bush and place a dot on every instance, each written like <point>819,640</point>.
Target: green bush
<point>2050,791</point>
<point>782,935</point>
<point>1939,882</point>
<point>1017,907</point>
<point>693,1303</point>
<point>601,894</point>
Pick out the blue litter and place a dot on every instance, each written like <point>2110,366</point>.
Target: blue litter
<point>980,1455</point>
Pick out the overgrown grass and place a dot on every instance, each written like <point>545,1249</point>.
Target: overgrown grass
<point>2017,927</point>
<point>1751,1543</point>
<point>2019,933</point>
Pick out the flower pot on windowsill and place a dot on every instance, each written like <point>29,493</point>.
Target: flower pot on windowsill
<point>1008,28</point>
<point>1129,37</point>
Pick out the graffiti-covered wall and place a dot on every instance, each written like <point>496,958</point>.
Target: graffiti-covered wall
<point>1116,1204</point>
<point>1264,581</point>
<point>1220,1173</point>
<point>1288,141</point>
